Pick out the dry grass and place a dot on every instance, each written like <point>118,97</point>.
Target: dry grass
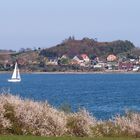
<point>27,117</point>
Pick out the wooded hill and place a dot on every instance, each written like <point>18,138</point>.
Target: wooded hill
<point>91,47</point>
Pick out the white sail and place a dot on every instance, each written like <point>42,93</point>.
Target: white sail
<point>14,76</point>
<point>18,74</point>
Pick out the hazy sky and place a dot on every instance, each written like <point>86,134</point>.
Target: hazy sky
<point>43,23</point>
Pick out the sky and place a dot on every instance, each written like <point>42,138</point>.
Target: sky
<point>45,23</point>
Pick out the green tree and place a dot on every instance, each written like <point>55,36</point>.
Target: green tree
<point>65,61</point>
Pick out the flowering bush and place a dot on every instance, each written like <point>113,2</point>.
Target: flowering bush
<point>24,117</point>
<point>80,123</point>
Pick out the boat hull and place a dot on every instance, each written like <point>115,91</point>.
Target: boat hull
<point>14,80</point>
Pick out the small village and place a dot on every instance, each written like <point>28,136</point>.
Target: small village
<point>78,63</point>
<point>111,63</point>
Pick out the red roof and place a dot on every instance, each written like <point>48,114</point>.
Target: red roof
<point>84,56</point>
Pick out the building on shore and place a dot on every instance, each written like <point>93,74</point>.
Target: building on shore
<point>111,58</point>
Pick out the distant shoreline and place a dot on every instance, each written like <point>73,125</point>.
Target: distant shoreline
<point>68,72</point>
<point>85,72</point>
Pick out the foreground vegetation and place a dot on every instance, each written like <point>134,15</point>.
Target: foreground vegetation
<point>26,117</point>
<point>58,138</point>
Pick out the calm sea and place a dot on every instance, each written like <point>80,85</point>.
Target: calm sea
<point>104,95</point>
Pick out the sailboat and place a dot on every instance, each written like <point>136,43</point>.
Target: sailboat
<point>16,75</point>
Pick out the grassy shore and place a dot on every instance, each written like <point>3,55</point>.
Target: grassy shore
<point>59,138</point>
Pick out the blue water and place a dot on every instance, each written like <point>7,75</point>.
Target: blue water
<point>104,95</point>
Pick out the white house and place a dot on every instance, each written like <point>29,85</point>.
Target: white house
<point>78,59</point>
<point>52,61</point>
